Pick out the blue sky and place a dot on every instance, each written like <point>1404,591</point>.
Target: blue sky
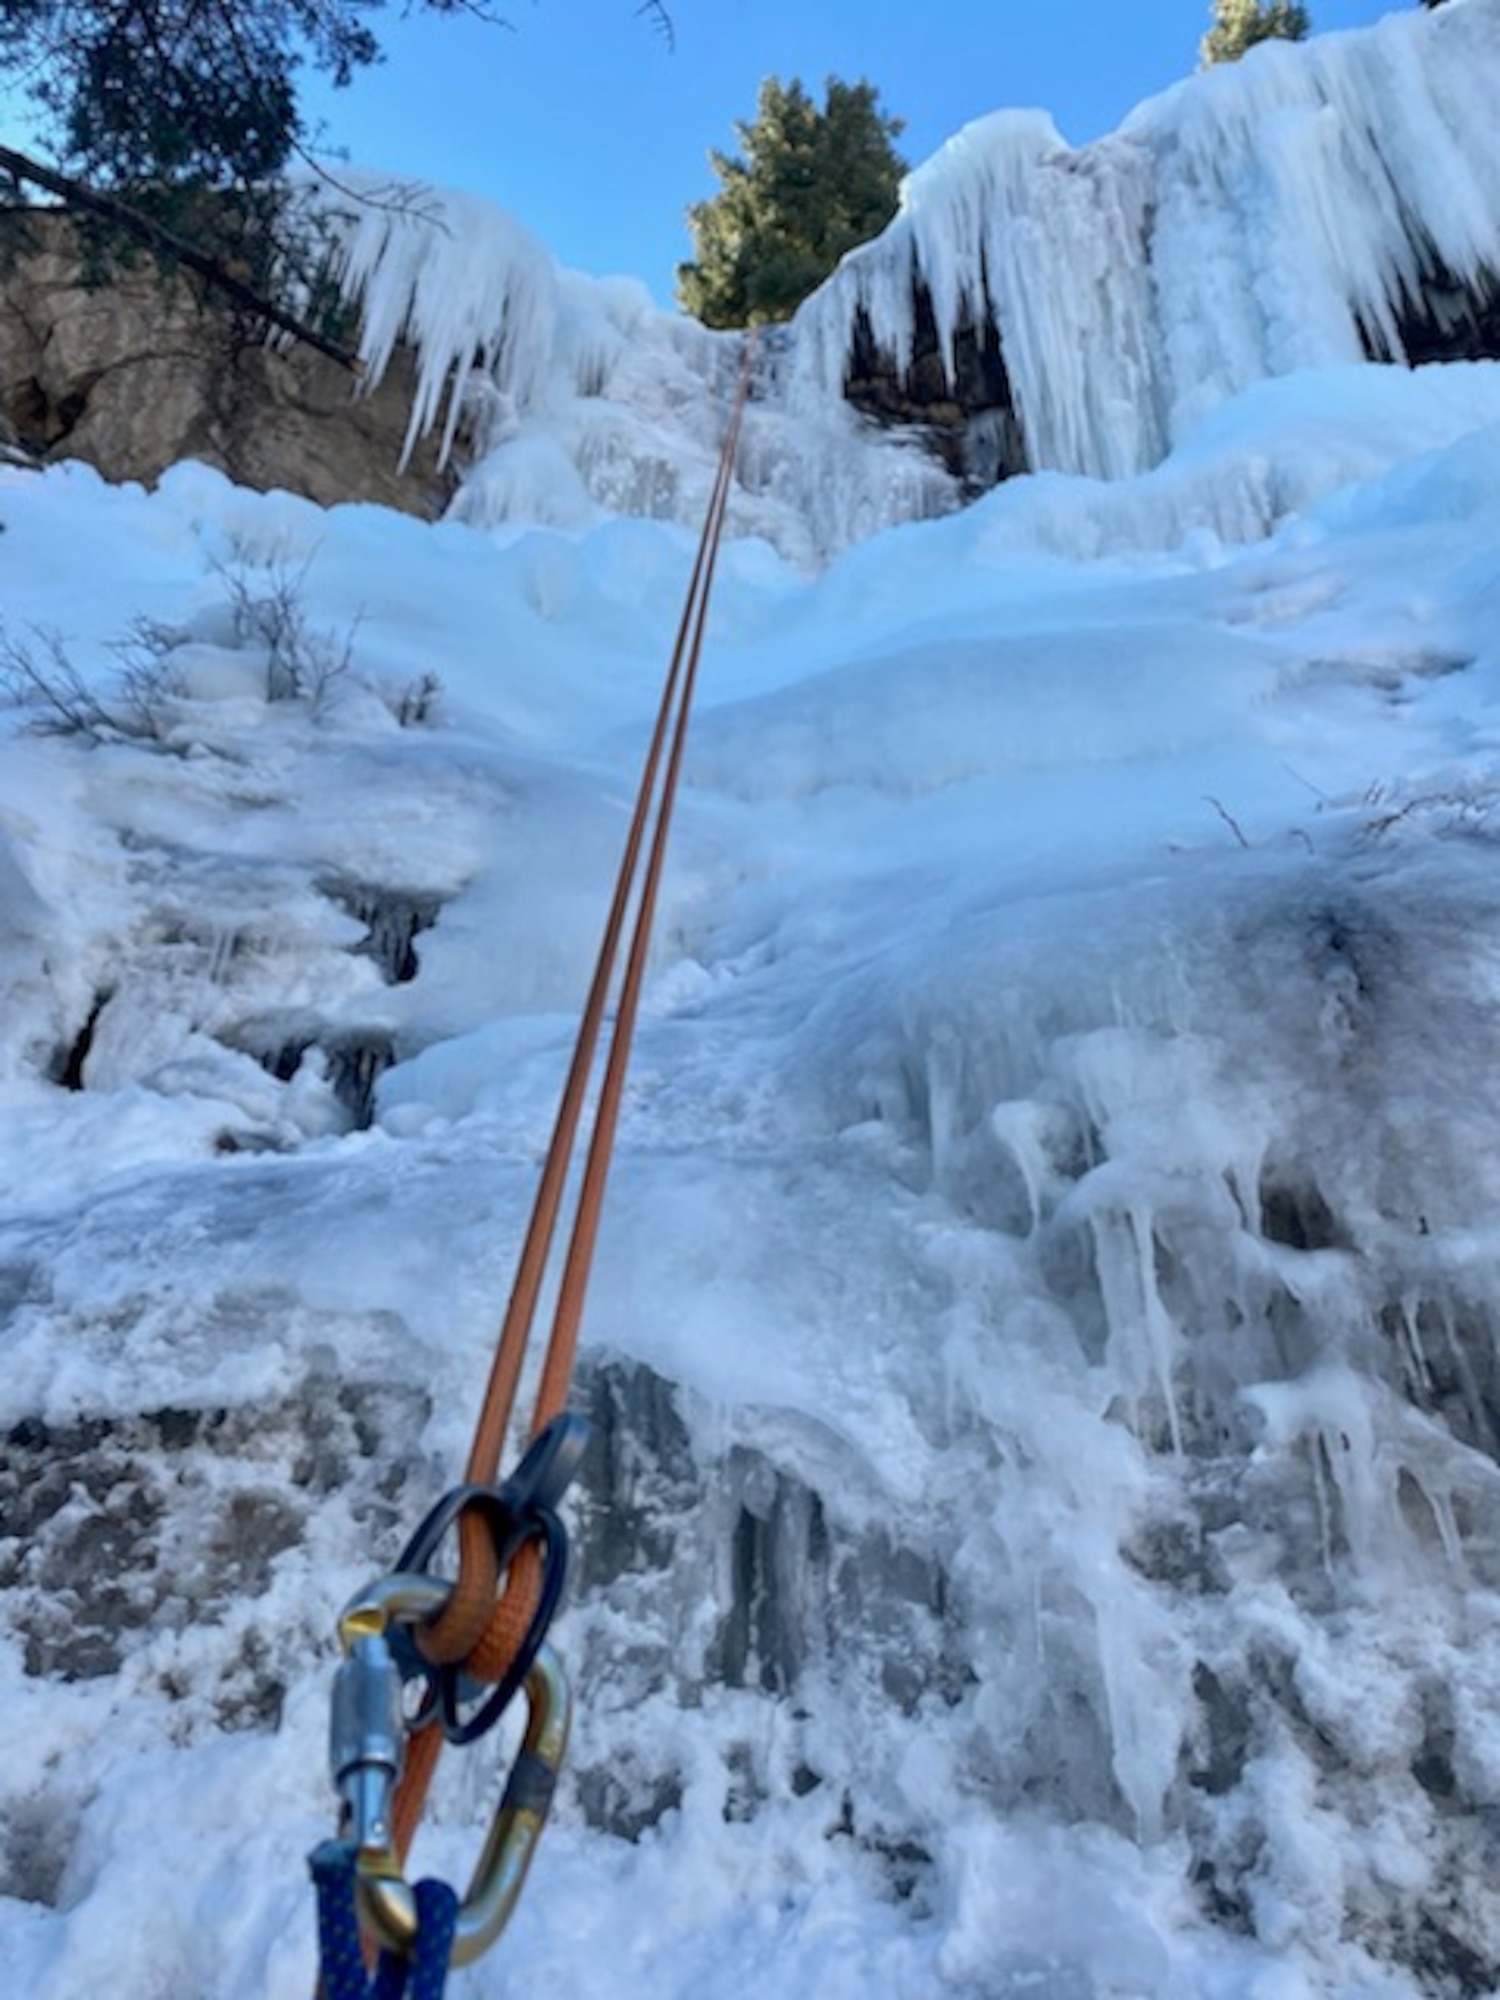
<point>580,119</point>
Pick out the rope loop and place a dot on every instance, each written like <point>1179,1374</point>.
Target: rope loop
<point>420,1976</point>
<point>521,1519</point>
<point>488,1625</point>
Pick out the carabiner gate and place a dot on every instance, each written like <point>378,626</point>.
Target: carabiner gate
<point>367,1732</point>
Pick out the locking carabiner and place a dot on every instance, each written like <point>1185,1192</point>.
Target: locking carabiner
<point>367,1729</point>
<point>367,1750</point>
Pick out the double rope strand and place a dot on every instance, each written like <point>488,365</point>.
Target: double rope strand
<point>477,1627</point>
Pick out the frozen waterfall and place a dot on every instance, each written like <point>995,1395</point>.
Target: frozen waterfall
<point>1290,211</point>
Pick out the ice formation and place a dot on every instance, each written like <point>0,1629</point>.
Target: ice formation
<point>1273,214</point>
<point>1042,1534</point>
<point>1281,213</point>
<point>581,399</point>
<point>1043,1529</point>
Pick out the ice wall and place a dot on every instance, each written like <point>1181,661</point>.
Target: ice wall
<point>576,398</point>
<point>1275,214</point>
<point>1046,1375</point>
<point>1286,212</point>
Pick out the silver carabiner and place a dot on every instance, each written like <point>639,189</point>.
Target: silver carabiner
<point>367,1730</point>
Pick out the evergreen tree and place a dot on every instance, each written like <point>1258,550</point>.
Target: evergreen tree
<point>1239,24</point>
<point>188,110</point>
<point>158,92</point>
<point>154,91</point>
<point>807,186</point>
<point>179,114</point>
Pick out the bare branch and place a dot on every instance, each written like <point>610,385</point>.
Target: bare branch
<point>109,209</point>
<point>656,13</point>
<point>42,678</point>
<point>1228,818</point>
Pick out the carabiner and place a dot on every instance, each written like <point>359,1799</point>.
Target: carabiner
<point>367,1750</point>
<point>387,1905</point>
<point>368,1729</point>
<point>521,1510</point>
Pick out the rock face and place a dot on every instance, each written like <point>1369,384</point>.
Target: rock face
<point>133,375</point>
<point>960,404</point>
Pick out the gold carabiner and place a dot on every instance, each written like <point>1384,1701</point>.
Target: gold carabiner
<point>387,1906</point>
<point>367,1759</point>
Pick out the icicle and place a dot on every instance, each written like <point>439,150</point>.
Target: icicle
<point>1258,219</point>
<point>457,276</point>
<point>1142,1338</point>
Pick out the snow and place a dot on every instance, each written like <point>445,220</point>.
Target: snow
<point>1043,1528</point>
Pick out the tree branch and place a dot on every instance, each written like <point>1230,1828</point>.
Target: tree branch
<point>76,195</point>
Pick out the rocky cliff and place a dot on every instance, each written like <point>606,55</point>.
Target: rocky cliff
<point>137,372</point>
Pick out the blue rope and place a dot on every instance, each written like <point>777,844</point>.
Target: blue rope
<point>342,1960</point>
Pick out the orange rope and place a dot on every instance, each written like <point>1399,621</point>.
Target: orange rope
<point>476,1627</point>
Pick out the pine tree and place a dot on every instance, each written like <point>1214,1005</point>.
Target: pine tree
<point>151,91</point>
<point>807,186</point>
<point>171,91</point>
<point>1239,24</point>
<point>168,121</point>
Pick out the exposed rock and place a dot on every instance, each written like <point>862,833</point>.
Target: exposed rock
<point>1449,319</point>
<point>959,404</point>
<point>133,374</point>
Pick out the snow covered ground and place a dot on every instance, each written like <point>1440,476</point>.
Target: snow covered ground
<point>1042,1531</point>
<point>1058,1187</point>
